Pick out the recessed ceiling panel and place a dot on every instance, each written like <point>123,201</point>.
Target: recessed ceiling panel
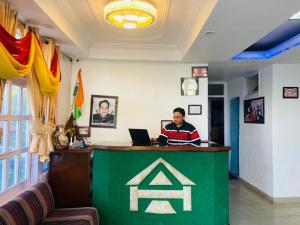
<point>278,41</point>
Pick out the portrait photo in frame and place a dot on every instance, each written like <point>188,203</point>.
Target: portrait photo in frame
<point>199,71</point>
<point>103,112</point>
<point>194,109</point>
<point>290,92</point>
<point>163,123</point>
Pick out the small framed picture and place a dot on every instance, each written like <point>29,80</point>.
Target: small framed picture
<point>254,110</point>
<point>103,111</point>
<point>189,86</point>
<point>199,71</point>
<point>84,131</point>
<point>195,109</point>
<point>163,123</point>
<point>290,92</point>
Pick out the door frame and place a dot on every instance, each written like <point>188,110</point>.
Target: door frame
<point>226,112</point>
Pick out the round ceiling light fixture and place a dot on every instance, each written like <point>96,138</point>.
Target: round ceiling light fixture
<point>130,14</point>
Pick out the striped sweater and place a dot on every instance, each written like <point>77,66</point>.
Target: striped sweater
<point>184,135</point>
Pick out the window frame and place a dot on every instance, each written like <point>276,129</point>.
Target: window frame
<point>7,117</point>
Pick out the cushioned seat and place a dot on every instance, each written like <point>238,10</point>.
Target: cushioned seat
<point>74,216</point>
<point>36,206</point>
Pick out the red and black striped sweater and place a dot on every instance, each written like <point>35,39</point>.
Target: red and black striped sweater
<point>184,135</point>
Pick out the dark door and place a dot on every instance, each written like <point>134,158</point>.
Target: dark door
<point>217,120</point>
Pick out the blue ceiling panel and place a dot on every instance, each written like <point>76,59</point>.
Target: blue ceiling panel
<point>283,38</point>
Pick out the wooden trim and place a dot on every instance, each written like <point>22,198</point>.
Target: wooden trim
<point>126,147</point>
<point>73,151</point>
<point>115,146</point>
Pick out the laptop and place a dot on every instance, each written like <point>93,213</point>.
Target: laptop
<point>140,137</point>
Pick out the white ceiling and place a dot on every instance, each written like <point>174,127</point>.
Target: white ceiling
<point>180,33</point>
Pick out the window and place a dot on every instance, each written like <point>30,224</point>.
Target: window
<point>215,89</point>
<point>14,135</point>
<point>251,85</point>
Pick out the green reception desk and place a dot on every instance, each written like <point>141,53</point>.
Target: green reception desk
<point>161,185</point>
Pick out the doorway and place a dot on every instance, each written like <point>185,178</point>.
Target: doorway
<point>216,119</point>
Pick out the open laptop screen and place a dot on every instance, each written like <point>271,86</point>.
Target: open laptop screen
<point>140,137</point>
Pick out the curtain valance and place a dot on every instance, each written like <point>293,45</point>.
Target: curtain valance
<point>18,56</point>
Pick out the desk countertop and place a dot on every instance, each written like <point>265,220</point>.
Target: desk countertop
<point>127,146</point>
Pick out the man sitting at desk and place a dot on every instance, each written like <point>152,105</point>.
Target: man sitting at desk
<point>179,132</point>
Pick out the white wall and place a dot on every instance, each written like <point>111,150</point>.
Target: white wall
<point>63,97</point>
<point>148,92</point>
<point>286,132</point>
<point>269,153</point>
<point>256,166</point>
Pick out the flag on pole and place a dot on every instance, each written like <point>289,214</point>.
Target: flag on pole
<point>78,96</point>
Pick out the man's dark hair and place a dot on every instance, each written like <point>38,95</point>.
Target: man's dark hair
<point>104,101</point>
<point>180,110</point>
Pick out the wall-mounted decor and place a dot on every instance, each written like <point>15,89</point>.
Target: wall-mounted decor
<point>290,92</point>
<point>84,131</point>
<point>103,111</point>
<point>251,85</point>
<point>163,123</point>
<point>254,110</point>
<point>194,109</point>
<point>189,86</point>
<point>199,71</point>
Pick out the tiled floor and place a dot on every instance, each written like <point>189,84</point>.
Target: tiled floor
<point>248,208</point>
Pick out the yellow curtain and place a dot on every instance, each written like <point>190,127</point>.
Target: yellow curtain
<point>42,124</point>
<point>11,68</point>
<point>38,143</point>
<point>8,19</point>
<point>48,48</point>
<point>42,84</point>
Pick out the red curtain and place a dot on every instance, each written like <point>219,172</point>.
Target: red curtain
<point>18,48</point>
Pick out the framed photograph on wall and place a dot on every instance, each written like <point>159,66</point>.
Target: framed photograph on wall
<point>194,109</point>
<point>254,110</point>
<point>84,131</point>
<point>199,71</point>
<point>103,111</point>
<point>189,86</point>
<point>163,123</point>
<point>290,92</point>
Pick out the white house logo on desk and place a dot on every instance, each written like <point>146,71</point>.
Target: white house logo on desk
<point>160,206</point>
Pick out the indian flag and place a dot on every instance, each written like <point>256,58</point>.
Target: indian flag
<point>78,96</point>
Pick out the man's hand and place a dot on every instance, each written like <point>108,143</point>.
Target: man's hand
<point>153,139</point>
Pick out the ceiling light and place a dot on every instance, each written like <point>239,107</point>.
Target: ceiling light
<point>130,14</point>
<point>296,16</point>
<point>129,25</point>
<point>118,18</point>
